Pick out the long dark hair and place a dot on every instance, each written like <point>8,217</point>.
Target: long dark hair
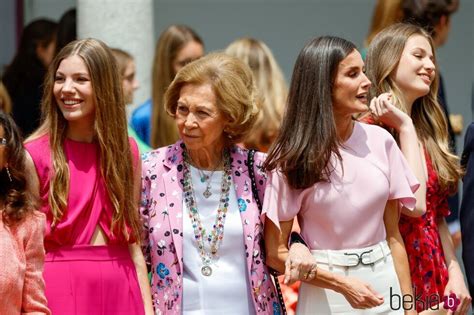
<point>307,139</point>
<point>67,29</point>
<point>26,66</point>
<point>427,13</point>
<point>13,192</point>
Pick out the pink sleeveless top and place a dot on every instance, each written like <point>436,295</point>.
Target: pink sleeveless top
<point>88,203</point>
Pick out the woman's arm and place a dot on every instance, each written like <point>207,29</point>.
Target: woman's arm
<point>456,282</point>
<point>33,298</point>
<point>383,110</point>
<point>397,247</point>
<point>33,180</point>
<point>142,275</point>
<point>357,293</point>
<point>136,252</point>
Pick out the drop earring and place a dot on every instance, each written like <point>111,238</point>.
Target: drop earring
<point>9,174</point>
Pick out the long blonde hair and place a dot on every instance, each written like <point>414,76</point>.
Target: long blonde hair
<point>171,41</point>
<point>430,123</point>
<point>270,84</point>
<point>110,134</point>
<point>386,13</point>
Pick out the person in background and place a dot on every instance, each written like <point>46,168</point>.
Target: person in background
<point>435,17</point>
<point>127,71</point>
<point>466,214</point>
<point>271,86</point>
<point>67,29</point>
<point>467,207</point>
<point>177,46</point>
<point>21,231</point>
<point>345,181</point>
<point>386,13</point>
<point>24,77</point>
<point>402,60</point>
<point>94,264</point>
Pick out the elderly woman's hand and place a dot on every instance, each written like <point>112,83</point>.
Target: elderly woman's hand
<point>300,264</point>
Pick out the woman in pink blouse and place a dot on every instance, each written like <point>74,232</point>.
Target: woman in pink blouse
<point>345,181</point>
<point>21,231</point>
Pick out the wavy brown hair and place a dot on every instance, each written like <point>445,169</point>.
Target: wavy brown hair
<point>307,140</point>
<point>430,123</point>
<point>171,41</point>
<point>110,134</point>
<point>233,85</point>
<point>17,200</point>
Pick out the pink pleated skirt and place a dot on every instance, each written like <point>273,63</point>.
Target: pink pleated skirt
<point>92,280</point>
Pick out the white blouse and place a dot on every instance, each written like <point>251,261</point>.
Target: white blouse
<point>227,290</point>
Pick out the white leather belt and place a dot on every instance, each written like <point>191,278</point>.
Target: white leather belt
<point>353,257</point>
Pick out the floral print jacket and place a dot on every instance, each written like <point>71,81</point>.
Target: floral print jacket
<point>162,213</point>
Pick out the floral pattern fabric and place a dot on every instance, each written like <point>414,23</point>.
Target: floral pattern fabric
<point>161,210</point>
<point>428,270</point>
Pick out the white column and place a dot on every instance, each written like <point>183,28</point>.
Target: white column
<point>124,24</point>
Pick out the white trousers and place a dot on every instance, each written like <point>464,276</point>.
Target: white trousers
<point>378,271</point>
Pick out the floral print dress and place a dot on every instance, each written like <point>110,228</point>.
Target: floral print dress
<point>429,273</point>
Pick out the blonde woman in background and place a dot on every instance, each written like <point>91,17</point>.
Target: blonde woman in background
<point>177,46</point>
<point>273,90</point>
<point>271,86</point>
<point>386,13</point>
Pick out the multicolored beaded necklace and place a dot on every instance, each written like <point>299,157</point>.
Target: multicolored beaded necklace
<point>200,235</point>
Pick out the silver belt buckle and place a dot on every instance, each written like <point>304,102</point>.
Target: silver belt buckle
<point>360,258</point>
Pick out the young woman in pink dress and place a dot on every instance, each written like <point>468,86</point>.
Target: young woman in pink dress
<point>345,181</point>
<point>86,172</point>
<point>21,231</point>
<point>402,64</point>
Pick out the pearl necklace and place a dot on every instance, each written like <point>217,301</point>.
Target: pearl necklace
<point>200,235</point>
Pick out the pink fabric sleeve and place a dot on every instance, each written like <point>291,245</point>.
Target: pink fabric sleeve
<point>281,202</point>
<point>34,299</point>
<point>403,182</point>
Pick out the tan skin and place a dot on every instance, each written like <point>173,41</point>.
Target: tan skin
<point>349,98</point>
<point>201,126</point>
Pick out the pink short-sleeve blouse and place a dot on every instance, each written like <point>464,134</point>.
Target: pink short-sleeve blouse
<point>347,211</point>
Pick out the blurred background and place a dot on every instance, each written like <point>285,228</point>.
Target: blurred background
<point>284,25</point>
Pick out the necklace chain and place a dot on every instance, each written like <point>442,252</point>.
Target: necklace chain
<point>206,178</point>
<point>215,237</point>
